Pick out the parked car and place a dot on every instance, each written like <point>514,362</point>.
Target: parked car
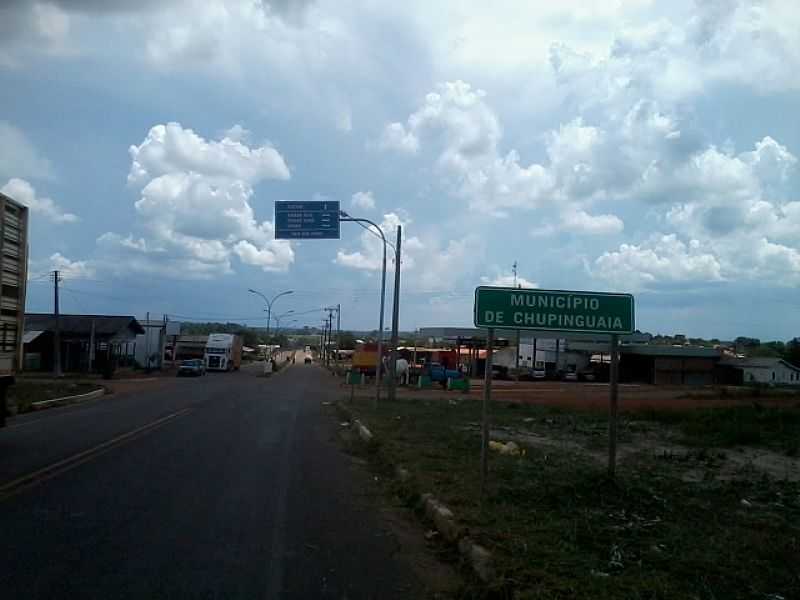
<point>587,375</point>
<point>194,367</point>
<point>307,360</point>
<point>570,376</point>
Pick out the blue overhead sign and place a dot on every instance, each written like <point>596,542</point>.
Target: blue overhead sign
<point>311,220</point>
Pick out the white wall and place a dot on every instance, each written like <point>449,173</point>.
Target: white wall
<point>783,375</point>
<point>506,357</point>
<point>152,342</point>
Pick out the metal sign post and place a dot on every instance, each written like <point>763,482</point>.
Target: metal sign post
<point>553,311</point>
<point>612,407</point>
<point>487,398</point>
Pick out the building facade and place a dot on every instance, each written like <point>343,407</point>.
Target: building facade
<point>88,342</point>
<point>769,371</point>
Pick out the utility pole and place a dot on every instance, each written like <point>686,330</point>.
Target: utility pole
<point>328,332</point>
<point>91,347</point>
<point>57,330</point>
<point>519,345</point>
<point>514,270</point>
<point>395,317</point>
<point>338,333</point>
<point>147,342</point>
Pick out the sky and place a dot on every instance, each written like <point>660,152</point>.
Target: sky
<point>624,145</point>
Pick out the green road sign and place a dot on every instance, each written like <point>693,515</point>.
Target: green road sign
<point>553,310</point>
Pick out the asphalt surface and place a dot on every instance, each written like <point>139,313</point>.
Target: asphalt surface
<point>225,486</point>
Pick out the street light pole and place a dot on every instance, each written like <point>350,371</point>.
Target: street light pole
<point>379,362</point>
<point>278,320</point>
<point>395,318</point>
<point>269,305</point>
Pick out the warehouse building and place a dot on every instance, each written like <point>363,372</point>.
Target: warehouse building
<point>770,371</point>
<point>668,365</point>
<point>88,342</point>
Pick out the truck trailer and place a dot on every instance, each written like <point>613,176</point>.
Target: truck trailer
<point>14,270</point>
<point>223,352</point>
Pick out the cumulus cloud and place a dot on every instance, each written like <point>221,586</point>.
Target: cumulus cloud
<point>581,222</point>
<point>32,27</point>
<point>632,143</point>
<point>71,269</point>
<point>170,148</point>
<point>19,157</point>
<point>434,264</point>
<point>195,204</point>
<point>369,256</point>
<point>662,258</point>
<point>363,200</point>
<point>23,192</point>
<point>586,162</point>
<point>456,118</point>
<point>509,281</point>
<point>395,137</point>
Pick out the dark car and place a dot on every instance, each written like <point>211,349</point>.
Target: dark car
<point>308,360</point>
<point>194,367</point>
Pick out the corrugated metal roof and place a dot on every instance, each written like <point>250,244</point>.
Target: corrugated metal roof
<point>29,336</point>
<point>104,325</point>
<point>757,363</point>
<point>671,351</point>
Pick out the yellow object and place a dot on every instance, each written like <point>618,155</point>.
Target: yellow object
<point>509,448</point>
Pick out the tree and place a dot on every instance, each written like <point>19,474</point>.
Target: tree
<point>792,352</point>
<point>347,341</point>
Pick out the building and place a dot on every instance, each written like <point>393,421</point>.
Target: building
<point>569,352</point>
<point>153,343</point>
<point>668,365</point>
<point>88,342</point>
<point>188,346</point>
<point>774,371</point>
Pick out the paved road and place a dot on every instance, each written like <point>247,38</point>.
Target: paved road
<point>227,486</point>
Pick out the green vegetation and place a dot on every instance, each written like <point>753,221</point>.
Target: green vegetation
<point>559,529</point>
<point>777,428</point>
<point>25,393</point>
<point>251,336</point>
<point>750,347</point>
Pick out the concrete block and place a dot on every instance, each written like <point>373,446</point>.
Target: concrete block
<point>479,558</point>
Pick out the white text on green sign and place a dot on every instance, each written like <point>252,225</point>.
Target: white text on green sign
<point>554,310</point>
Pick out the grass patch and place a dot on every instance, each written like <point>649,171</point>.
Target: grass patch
<point>25,393</point>
<point>777,428</point>
<point>559,529</point>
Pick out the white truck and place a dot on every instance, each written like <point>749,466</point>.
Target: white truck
<point>14,272</point>
<point>223,352</point>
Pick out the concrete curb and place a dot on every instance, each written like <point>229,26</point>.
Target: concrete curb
<point>443,519</point>
<point>68,399</point>
<point>364,433</point>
